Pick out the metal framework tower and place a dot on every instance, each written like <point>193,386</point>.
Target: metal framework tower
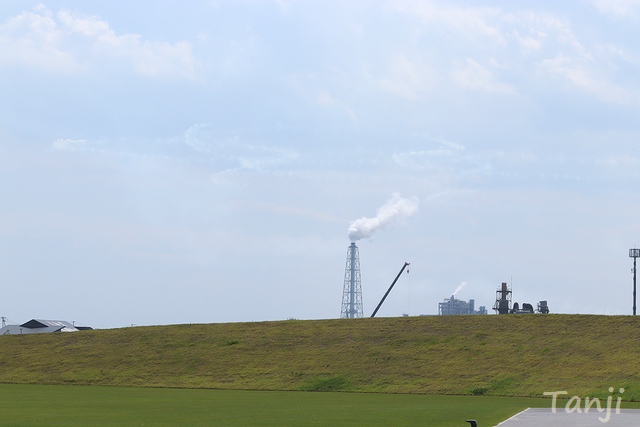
<point>352,291</point>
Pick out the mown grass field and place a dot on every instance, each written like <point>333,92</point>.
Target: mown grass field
<point>50,406</point>
<point>517,355</point>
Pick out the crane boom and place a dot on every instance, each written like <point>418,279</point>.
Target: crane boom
<point>406,264</point>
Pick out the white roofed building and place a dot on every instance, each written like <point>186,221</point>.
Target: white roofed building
<point>41,326</point>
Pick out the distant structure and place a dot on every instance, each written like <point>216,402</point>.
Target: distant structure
<point>352,290</point>
<point>543,307</point>
<point>452,306</point>
<point>503,303</point>
<point>41,326</point>
<point>635,254</point>
<point>503,300</point>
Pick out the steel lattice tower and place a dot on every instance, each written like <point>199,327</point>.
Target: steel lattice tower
<point>352,292</point>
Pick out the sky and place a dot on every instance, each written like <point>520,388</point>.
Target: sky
<point>168,162</point>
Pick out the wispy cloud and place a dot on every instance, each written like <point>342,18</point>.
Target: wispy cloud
<point>468,21</point>
<point>471,75</point>
<point>236,152</point>
<point>442,155</point>
<point>619,8</point>
<point>69,144</point>
<point>583,74</point>
<point>407,78</point>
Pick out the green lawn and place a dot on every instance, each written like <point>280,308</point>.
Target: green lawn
<point>36,405</point>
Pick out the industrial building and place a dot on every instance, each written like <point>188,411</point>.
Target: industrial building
<point>41,326</point>
<point>452,306</point>
<point>503,303</point>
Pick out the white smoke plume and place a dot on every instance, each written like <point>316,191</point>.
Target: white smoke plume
<point>459,288</point>
<point>395,206</point>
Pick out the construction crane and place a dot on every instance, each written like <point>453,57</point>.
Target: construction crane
<point>406,264</point>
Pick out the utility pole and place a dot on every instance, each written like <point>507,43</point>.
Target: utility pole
<point>634,253</point>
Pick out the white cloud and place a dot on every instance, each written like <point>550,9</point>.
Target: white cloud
<point>44,40</point>
<point>530,42</point>
<point>406,78</point>
<point>285,6</point>
<point>450,144</point>
<point>422,160</point>
<point>618,8</point>
<point>471,75</point>
<point>192,138</point>
<point>440,156</point>
<point>69,144</point>
<point>325,98</point>
<point>35,40</point>
<point>259,158</point>
<point>620,161</point>
<point>468,21</point>
<point>484,40</point>
<point>235,153</point>
<point>583,74</point>
<point>91,27</point>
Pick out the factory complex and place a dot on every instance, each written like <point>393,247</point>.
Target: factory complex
<point>352,295</point>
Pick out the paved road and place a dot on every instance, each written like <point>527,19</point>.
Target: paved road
<point>537,417</point>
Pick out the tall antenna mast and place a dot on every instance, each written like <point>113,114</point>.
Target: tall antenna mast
<point>634,253</point>
<point>352,290</point>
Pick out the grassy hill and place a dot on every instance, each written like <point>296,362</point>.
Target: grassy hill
<point>516,355</point>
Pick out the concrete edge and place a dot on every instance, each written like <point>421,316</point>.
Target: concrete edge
<point>513,416</point>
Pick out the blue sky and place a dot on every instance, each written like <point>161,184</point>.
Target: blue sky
<point>165,163</point>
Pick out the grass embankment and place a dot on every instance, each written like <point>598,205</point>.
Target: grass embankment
<point>518,355</point>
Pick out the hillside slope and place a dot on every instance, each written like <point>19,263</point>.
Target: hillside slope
<point>516,355</point>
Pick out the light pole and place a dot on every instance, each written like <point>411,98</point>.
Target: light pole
<point>634,253</point>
